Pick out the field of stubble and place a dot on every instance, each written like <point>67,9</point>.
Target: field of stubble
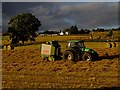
<point>23,68</point>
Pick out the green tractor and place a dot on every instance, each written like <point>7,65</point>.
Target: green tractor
<point>76,51</point>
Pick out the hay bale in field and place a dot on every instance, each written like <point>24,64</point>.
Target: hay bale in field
<point>111,44</point>
<point>114,44</point>
<point>91,37</point>
<point>9,47</point>
<point>108,45</point>
<point>4,47</point>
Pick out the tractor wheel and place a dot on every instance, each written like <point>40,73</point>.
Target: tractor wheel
<point>68,55</point>
<point>95,56</point>
<point>51,58</point>
<point>87,57</point>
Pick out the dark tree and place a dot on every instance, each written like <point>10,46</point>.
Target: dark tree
<point>67,30</point>
<point>23,27</point>
<point>74,29</point>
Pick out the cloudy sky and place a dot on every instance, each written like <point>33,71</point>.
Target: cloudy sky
<point>60,15</point>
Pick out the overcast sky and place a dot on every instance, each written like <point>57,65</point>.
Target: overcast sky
<point>60,15</point>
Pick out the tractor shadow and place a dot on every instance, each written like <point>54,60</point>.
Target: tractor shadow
<point>109,57</point>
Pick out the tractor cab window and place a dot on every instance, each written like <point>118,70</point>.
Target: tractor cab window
<point>71,44</point>
<point>76,44</point>
<point>81,44</point>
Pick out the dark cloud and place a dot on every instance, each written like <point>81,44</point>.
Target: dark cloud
<point>85,15</point>
<point>57,16</point>
<point>10,9</point>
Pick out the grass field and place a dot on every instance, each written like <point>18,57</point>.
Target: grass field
<point>5,39</point>
<point>24,68</point>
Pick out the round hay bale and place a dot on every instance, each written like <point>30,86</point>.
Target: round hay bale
<point>4,47</point>
<point>108,45</point>
<point>114,44</point>
<point>9,47</point>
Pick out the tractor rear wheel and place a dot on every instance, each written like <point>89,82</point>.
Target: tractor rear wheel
<point>87,57</point>
<point>68,55</point>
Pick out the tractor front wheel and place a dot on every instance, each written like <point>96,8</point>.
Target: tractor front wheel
<point>68,55</point>
<point>87,57</point>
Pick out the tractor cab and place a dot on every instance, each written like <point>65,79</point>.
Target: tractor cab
<point>76,43</point>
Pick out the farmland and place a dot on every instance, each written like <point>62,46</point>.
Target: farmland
<point>24,68</point>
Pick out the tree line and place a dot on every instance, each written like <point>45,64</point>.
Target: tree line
<point>74,30</point>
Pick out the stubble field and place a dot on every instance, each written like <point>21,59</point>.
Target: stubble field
<point>23,68</point>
